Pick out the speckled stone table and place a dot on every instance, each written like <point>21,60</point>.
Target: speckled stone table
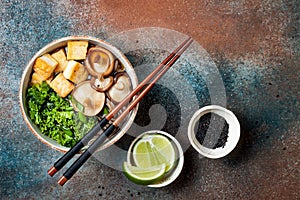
<point>254,45</point>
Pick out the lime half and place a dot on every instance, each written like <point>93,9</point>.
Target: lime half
<point>152,150</point>
<point>144,176</point>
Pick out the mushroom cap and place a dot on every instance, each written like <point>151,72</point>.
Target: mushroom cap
<point>119,67</point>
<point>92,100</point>
<point>99,61</point>
<point>102,84</point>
<point>120,89</point>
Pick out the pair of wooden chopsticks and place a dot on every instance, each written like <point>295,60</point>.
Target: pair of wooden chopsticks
<point>159,71</point>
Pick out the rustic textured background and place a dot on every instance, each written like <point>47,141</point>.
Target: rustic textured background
<point>255,45</point>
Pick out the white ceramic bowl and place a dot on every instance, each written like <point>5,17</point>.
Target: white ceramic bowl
<point>233,132</point>
<point>58,44</point>
<point>169,178</point>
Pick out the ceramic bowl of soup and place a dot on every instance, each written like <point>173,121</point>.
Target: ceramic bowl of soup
<point>70,84</point>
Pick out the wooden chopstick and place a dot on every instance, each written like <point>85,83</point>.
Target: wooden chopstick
<point>168,62</point>
<point>94,146</point>
<point>99,126</point>
<point>146,90</point>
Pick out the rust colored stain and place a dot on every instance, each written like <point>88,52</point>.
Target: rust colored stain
<point>233,27</point>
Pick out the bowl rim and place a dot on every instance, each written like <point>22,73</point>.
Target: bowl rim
<point>233,134</point>
<point>180,157</point>
<point>45,49</point>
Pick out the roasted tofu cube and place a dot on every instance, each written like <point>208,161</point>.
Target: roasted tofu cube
<point>75,72</point>
<point>45,65</point>
<point>61,58</point>
<point>61,85</point>
<point>48,81</point>
<point>77,50</point>
<point>36,78</point>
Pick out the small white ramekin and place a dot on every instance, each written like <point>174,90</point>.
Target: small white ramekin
<point>233,132</point>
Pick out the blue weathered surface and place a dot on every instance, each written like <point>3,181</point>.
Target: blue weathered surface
<point>255,46</point>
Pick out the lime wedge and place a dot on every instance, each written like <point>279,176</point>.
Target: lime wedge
<point>154,149</point>
<point>144,176</point>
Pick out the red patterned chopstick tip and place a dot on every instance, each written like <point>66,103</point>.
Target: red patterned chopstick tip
<point>52,171</point>
<point>62,180</point>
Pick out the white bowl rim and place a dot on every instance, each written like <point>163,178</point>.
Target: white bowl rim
<point>233,134</point>
<point>175,173</point>
<point>43,50</point>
